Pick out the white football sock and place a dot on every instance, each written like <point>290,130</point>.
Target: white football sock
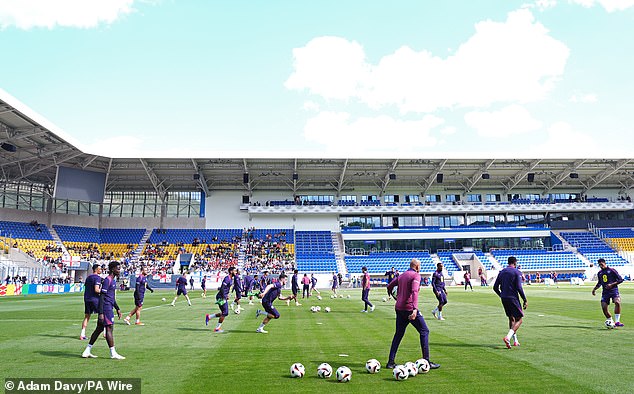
<point>261,326</point>
<point>112,351</point>
<point>218,326</point>
<point>510,334</point>
<point>515,337</point>
<point>617,317</point>
<point>83,332</point>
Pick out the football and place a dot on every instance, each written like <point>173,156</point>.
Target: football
<point>324,370</point>
<point>411,369</point>
<point>372,365</point>
<point>422,365</point>
<point>609,324</point>
<point>163,299</point>
<point>332,296</point>
<point>297,370</point>
<point>348,295</point>
<point>327,309</point>
<point>400,372</point>
<point>340,295</point>
<point>384,299</point>
<point>317,308</point>
<point>237,311</point>
<point>319,297</point>
<point>344,374</point>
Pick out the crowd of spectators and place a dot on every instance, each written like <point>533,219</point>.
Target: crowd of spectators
<point>268,254</point>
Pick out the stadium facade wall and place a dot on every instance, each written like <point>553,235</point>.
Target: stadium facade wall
<point>15,290</point>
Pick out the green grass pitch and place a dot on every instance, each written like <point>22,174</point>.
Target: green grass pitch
<point>565,347</point>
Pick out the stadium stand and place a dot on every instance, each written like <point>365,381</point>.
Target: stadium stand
<point>593,248</point>
<point>541,259</point>
<point>379,263</point>
<point>315,251</point>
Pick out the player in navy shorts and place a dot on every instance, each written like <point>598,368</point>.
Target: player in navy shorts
<point>91,297</point>
<point>105,321</point>
<point>139,295</point>
<point>272,291</point>
<point>508,286</point>
<point>237,288</point>
<point>249,282</point>
<point>203,285</point>
<point>438,286</point>
<point>294,288</point>
<point>222,299</point>
<point>610,280</point>
<point>181,288</point>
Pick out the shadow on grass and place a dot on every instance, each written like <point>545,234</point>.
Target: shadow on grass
<point>59,336</point>
<point>569,326</point>
<point>484,345</point>
<point>59,354</point>
<point>194,329</point>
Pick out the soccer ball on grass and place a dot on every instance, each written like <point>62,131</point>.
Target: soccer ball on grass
<point>372,365</point>
<point>344,374</point>
<point>400,372</point>
<point>297,370</point>
<point>324,370</point>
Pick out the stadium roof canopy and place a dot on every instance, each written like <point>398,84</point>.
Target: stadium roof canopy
<point>31,149</point>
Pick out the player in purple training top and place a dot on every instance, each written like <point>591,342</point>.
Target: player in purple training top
<point>181,288</point>
<point>335,283</point>
<point>508,286</point>
<point>272,291</point>
<point>609,279</point>
<point>105,321</point>
<point>237,288</point>
<point>294,287</point>
<point>222,299</point>
<point>203,286</point>
<point>407,312</point>
<point>91,297</point>
<point>139,295</point>
<point>250,284</point>
<point>438,286</point>
<point>365,292</point>
<point>313,284</point>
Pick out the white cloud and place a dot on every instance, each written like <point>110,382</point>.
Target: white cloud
<point>583,98</point>
<point>338,132</point>
<point>331,67</point>
<point>449,130</point>
<point>311,106</point>
<point>564,142</point>
<point>608,5</point>
<point>542,4</point>
<point>26,14</point>
<point>511,120</point>
<point>515,60</point>
<point>119,146</point>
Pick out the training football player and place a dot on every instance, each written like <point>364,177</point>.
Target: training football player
<point>295,287</point>
<point>139,295</point>
<point>407,312</point>
<point>335,283</point>
<point>508,286</point>
<point>222,300</point>
<point>270,293</point>
<point>610,280</point>
<point>365,292</point>
<point>237,288</point>
<point>91,297</point>
<point>105,321</point>
<point>181,288</point>
<point>438,286</point>
<point>313,283</point>
<point>251,286</point>
<point>203,286</point>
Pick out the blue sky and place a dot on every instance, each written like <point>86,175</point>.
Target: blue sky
<point>155,78</point>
